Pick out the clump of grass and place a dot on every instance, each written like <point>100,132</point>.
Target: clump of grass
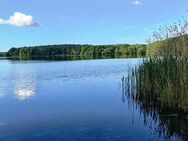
<point>164,77</point>
<point>169,40</point>
<point>159,85</point>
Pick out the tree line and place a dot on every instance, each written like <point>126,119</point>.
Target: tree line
<point>63,50</point>
<point>3,54</point>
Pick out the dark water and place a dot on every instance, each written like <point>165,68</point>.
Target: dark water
<point>69,101</point>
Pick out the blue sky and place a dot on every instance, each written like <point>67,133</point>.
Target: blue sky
<point>40,22</point>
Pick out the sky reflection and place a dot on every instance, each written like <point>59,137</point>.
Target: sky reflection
<point>41,105</point>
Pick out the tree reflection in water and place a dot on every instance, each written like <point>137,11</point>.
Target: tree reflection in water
<point>167,122</point>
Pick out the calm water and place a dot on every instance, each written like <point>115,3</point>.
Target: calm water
<point>69,101</point>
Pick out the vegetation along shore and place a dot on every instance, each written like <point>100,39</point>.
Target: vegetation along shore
<point>63,50</point>
<point>159,85</point>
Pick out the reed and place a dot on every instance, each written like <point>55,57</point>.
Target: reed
<point>164,76</point>
<point>159,85</point>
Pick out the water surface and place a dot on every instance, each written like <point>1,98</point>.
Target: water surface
<point>69,101</point>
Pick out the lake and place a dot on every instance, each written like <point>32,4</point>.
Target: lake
<point>70,101</point>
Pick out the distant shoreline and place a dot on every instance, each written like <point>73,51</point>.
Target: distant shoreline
<point>2,58</point>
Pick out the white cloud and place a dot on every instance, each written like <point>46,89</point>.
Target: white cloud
<point>137,2</point>
<point>19,19</point>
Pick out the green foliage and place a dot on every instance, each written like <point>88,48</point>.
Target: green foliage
<point>3,54</point>
<point>159,85</point>
<point>160,94</point>
<point>165,79</point>
<point>172,46</point>
<point>77,50</point>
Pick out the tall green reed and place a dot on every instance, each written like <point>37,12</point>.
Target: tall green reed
<point>158,87</point>
<point>163,78</point>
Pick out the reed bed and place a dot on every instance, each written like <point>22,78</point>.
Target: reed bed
<point>159,85</point>
<point>164,76</point>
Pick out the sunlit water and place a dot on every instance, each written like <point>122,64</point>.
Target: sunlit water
<point>68,101</point>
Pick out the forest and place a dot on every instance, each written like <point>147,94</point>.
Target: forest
<point>3,54</point>
<point>78,50</point>
<point>94,51</point>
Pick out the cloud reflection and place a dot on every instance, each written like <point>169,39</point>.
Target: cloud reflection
<point>25,88</point>
<point>24,93</point>
<point>2,94</point>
